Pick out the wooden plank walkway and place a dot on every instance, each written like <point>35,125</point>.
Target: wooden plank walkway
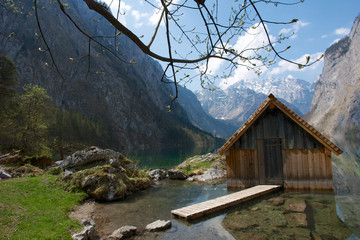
<point>220,203</point>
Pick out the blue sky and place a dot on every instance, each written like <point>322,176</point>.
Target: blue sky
<point>321,23</point>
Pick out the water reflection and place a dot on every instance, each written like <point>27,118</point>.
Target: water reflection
<point>157,203</point>
<point>349,208</point>
<point>289,215</point>
<point>169,158</point>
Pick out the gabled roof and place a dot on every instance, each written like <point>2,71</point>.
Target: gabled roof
<point>273,102</point>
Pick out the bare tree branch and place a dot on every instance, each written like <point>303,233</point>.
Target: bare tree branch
<point>209,38</point>
<point>44,39</point>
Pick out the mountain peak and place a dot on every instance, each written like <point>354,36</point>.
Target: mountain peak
<point>238,101</point>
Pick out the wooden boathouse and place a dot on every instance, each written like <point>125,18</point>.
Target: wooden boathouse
<point>276,146</point>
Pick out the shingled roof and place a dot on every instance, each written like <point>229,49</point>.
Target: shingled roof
<point>272,101</point>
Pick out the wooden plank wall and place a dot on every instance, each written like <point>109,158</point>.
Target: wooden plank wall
<point>307,169</point>
<point>275,124</point>
<point>242,168</point>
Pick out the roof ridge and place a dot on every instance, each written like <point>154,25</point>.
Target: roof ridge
<point>300,121</point>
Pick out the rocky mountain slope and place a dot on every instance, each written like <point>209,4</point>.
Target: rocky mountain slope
<point>237,102</point>
<point>201,119</point>
<point>128,98</point>
<point>298,92</point>
<point>335,109</point>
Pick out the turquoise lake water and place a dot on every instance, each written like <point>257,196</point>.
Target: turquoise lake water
<point>157,202</point>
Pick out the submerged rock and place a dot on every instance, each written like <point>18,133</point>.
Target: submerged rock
<point>295,205</point>
<point>296,219</point>
<point>273,220</point>
<point>159,225</point>
<point>277,201</point>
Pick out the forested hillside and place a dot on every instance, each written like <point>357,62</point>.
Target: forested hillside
<point>124,99</point>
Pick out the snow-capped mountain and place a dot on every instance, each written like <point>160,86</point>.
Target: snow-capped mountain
<point>295,91</point>
<point>238,101</point>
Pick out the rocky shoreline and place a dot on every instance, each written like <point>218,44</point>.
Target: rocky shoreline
<point>214,173</point>
<point>209,168</point>
<point>106,176</point>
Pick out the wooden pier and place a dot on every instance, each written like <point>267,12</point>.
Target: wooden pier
<point>220,203</point>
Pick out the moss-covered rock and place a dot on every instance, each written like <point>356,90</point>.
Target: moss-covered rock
<point>113,181</point>
<point>205,168</point>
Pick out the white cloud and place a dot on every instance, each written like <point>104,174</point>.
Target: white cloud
<point>139,18</point>
<point>255,37</point>
<point>295,27</point>
<point>154,18</point>
<point>242,73</point>
<point>213,65</point>
<point>284,66</point>
<point>342,31</point>
<point>136,14</point>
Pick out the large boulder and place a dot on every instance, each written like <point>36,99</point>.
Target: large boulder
<point>210,168</point>
<point>212,174</point>
<point>113,177</point>
<point>106,183</point>
<point>89,156</point>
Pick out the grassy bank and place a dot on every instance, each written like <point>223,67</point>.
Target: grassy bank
<point>35,208</point>
<point>200,163</point>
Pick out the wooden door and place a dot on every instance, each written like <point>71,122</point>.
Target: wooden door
<point>273,163</point>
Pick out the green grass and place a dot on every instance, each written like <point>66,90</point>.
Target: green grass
<point>198,166</point>
<point>36,208</point>
<point>192,166</point>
